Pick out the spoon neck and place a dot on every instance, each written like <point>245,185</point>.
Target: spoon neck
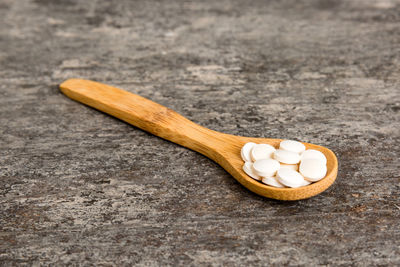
<point>195,137</point>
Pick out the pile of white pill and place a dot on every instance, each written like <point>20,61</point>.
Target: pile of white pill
<point>289,166</point>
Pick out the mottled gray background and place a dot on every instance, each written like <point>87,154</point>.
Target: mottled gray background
<point>78,187</point>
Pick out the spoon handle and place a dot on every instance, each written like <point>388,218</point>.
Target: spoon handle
<point>146,115</point>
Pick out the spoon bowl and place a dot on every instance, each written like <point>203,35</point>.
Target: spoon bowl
<point>166,123</point>
<point>235,163</point>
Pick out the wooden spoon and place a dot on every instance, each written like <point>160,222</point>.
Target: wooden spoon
<point>166,123</point>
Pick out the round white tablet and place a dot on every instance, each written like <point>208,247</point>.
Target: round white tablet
<point>266,167</point>
<point>246,149</point>
<point>293,146</point>
<point>313,169</point>
<point>262,151</point>
<point>313,154</point>
<point>272,182</point>
<point>290,178</point>
<point>294,167</point>
<point>306,182</point>
<point>248,169</point>
<point>287,157</point>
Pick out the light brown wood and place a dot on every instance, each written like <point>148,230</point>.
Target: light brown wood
<point>166,123</point>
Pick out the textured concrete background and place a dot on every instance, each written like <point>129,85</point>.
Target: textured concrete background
<point>80,187</point>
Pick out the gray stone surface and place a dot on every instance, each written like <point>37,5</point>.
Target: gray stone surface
<point>78,187</point>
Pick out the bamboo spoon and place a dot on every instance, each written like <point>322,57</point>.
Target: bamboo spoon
<point>166,123</point>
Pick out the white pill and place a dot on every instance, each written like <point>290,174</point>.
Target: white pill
<point>313,169</point>
<point>266,167</point>
<point>306,182</point>
<point>290,178</point>
<point>245,152</point>
<point>272,182</point>
<point>313,154</point>
<point>248,169</point>
<point>262,151</point>
<point>293,146</point>
<point>287,157</point>
<point>294,167</point>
